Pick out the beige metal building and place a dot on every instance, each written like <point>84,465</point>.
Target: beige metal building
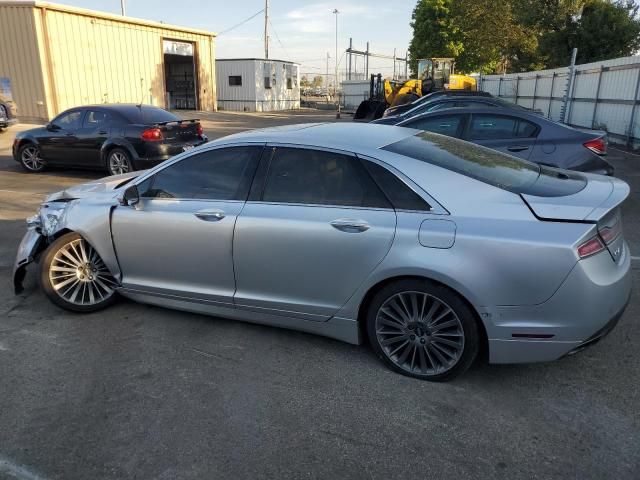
<point>56,57</point>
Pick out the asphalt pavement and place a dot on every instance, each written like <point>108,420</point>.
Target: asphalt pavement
<point>139,392</point>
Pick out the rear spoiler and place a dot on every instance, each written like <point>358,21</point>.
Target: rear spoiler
<point>179,122</point>
<point>618,195</point>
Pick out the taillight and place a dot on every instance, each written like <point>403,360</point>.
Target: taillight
<point>610,232</point>
<point>152,134</point>
<point>590,247</point>
<point>597,145</point>
<point>199,129</point>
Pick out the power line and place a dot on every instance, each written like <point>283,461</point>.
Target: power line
<point>242,22</point>
<point>278,38</point>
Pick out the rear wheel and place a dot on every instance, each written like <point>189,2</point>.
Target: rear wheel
<point>118,162</point>
<point>423,330</point>
<point>30,158</point>
<point>74,276</point>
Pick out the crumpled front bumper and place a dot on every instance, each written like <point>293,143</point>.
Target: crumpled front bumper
<point>32,243</point>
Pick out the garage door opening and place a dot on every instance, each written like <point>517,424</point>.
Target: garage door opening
<point>179,75</point>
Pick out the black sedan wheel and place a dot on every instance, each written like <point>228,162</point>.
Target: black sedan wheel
<point>30,158</point>
<point>118,162</point>
<point>422,330</point>
<point>74,276</point>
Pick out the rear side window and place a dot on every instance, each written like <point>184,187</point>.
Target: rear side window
<point>401,196</point>
<point>222,174</point>
<point>96,118</point>
<point>317,177</point>
<point>443,124</point>
<point>489,166</point>
<point>498,127</point>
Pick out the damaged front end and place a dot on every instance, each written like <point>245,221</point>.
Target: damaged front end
<point>40,228</point>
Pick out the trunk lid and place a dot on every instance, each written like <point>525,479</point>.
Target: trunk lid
<point>591,204</point>
<point>181,130</point>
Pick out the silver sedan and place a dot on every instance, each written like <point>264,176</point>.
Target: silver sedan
<point>431,248</point>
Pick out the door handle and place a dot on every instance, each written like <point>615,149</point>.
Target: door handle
<point>517,148</point>
<point>210,215</point>
<point>68,134</point>
<point>350,225</point>
<point>102,132</point>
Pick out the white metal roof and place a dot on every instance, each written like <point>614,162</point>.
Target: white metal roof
<point>96,14</point>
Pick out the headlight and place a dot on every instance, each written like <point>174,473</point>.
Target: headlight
<point>50,215</point>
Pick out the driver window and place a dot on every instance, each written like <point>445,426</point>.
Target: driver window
<point>221,174</point>
<point>69,121</point>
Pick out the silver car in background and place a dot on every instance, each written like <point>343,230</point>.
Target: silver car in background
<point>430,247</point>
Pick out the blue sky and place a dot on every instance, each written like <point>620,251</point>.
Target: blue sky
<point>305,29</point>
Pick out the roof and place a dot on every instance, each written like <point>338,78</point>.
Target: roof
<point>354,135</point>
<point>96,14</point>
<point>255,59</point>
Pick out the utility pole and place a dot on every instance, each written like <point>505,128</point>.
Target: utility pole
<point>335,82</point>
<point>266,29</point>
<point>123,8</point>
<point>327,76</point>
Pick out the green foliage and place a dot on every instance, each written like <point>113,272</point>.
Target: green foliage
<point>519,35</point>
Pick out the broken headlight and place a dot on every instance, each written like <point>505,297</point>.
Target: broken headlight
<point>50,215</point>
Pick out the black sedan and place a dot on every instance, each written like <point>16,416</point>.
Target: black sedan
<point>117,138</point>
<point>523,134</point>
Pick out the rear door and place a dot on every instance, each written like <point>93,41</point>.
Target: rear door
<point>91,136</point>
<point>503,132</point>
<point>307,239</point>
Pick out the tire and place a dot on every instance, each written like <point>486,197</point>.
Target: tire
<point>30,159</point>
<point>73,283</point>
<point>437,343</point>
<point>118,162</point>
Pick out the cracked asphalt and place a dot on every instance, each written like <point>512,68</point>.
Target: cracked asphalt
<point>139,392</point>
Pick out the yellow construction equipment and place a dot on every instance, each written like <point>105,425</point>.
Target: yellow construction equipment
<point>434,74</point>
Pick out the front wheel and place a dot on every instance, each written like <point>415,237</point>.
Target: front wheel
<point>118,162</point>
<point>423,330</point>
<point>30,158</point>
<point>74,277</point>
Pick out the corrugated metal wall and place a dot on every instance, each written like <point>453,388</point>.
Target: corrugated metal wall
<point>21,62</point>
<point>82,57</point>
<point>603,95</point>
<point>252,96</point>
<point>236,98</point>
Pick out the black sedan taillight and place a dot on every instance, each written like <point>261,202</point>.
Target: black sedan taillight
<point>152,134</point>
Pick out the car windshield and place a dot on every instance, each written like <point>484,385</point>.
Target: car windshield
<point>488,166</point>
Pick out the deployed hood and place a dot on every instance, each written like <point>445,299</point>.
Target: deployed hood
<point>94,187</point>
<point>599,196</point>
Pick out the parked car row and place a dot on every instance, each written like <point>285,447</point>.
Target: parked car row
<point>117,138</point>
<point>495,123</point>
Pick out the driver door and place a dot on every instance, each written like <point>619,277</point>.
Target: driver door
<point>178,239</point>
<point>57,146</point>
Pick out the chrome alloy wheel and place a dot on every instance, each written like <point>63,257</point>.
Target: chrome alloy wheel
<point>79,276</point>
<point>419,333</point>
<point>31,159</point>
<point>118,163</point>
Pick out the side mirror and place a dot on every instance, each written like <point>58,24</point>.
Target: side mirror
<point>52,127</point>
<point>130,197</point>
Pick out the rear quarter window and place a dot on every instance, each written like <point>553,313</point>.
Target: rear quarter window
<point>489,166</point>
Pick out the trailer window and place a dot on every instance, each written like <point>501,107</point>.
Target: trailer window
<point>235,80</point>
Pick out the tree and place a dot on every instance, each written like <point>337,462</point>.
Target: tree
<point>601,30</point>
<point>317,81</point>
<point>434,32</point>
<point>304,82</point>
